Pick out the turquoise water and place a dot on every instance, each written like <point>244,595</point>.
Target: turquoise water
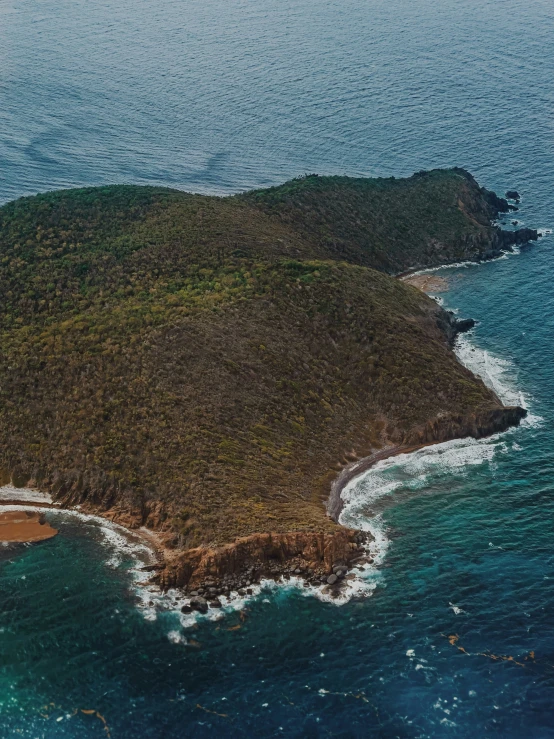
<point>216,97</point>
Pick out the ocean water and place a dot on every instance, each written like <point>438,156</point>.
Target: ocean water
<point>456,638</point>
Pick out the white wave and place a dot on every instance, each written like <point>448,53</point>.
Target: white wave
<point>498,374</point>
<point>457,610</point>
<point>458,265</point>
<point>412,471</point>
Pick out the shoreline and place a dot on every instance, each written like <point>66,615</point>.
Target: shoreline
<point>335,503</point>
<point>152,598</point>
<point>232,584</point>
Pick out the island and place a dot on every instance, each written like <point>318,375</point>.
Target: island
<point>213,369</point>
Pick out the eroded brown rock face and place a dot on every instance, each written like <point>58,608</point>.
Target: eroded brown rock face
<point>263,553</point>
<point>476,425</point>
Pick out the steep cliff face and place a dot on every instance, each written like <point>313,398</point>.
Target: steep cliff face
<point>454,426</point>
<point>208,366</point>
<point>432,218</point>
<point>262,555</point>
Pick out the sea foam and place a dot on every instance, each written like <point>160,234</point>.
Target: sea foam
<point>499,374</point>
<point>363,498</point>
<point>366,495</point>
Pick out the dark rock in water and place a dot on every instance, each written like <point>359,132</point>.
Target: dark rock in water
<point>186,609</point>
<point>249,591</point>
<point>453,326</point>
<point>512,195</point>
<point>199,604</point>
<point>514,223</point>
<point>464,324</point>
<point>332,579</point>
<point>216,603</point>
<point>521,236</point>
<point>500,205</point>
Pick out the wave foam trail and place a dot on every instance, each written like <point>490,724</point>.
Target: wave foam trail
<point>412,471</point>
<point>497,374</point>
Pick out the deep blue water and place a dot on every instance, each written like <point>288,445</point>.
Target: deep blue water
<point>219,96</point>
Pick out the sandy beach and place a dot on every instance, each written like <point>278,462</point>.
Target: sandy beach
<point>24,526</point>
<point>429,283</point>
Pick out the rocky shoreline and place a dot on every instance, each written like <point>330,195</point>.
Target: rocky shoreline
<point>277,432</point>
<point>478,250</point>
<point>324,561</point>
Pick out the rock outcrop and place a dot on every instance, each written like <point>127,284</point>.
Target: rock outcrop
<point>476,425</point>
<point>310,554</point>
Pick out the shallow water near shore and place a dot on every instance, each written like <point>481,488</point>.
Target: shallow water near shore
<point>457,637</point>
<point>468,566</point>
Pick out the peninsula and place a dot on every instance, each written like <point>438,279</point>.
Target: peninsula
<point>209,367</point>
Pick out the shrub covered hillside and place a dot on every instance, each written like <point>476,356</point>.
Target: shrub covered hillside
<point>207,365</point>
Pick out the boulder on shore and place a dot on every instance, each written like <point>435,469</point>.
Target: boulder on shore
<point>199,604</point>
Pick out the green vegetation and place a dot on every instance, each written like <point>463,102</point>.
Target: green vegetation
<point>205,365</point>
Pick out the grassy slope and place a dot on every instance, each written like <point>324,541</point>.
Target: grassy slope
<point>207,364</point>
<point>388,224</point>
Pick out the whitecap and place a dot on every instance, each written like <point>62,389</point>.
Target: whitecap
<point>457,610</point>
<point>499,374</point>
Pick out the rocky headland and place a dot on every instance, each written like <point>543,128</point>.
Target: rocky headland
<point>216,369</point>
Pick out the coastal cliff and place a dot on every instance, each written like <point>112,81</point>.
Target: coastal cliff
<point>207,367</point>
